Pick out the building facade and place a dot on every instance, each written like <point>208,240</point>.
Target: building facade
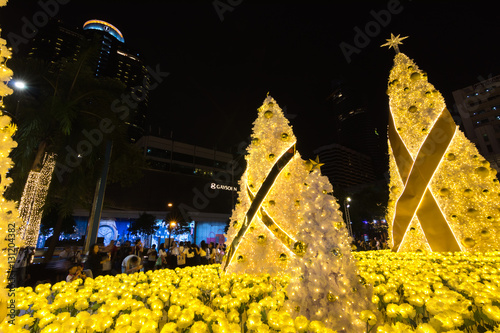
<point>479,109</point>
<point>115,59</point>
<point>345,167</point>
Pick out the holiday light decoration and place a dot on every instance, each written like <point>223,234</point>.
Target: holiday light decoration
<point>287,222</point>
<point>9,217</point>
<point>33,199</point>
<point>444,196</point>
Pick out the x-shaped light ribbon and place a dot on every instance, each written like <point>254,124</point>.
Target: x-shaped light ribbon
<point>417,198</point>
<point>256,206</point>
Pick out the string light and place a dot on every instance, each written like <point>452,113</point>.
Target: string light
<point>463,185</point>
<point>297,198</point>
<point>33,199</point>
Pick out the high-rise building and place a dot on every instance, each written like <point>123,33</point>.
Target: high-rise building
<point>355,128</point>
<point>345,167</point>
<point>479,109</point>
<point>58,41</point>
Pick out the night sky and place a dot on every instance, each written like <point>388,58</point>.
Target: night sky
<point>221,71</point>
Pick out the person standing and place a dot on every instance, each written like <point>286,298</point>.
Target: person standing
<point>203,253</point>
<point>95,260</point>
<point>162,256</point>
<point>152,256</point>
<point>173,253</point>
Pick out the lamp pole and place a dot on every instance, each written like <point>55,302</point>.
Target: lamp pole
<point>348,215</point>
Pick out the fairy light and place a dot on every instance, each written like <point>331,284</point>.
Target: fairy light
<point>33,199</point>
<point>297,205</point>
<point>463,185</point>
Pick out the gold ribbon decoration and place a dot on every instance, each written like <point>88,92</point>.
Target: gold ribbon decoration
<point>417,199</point>
<point>256,206</point>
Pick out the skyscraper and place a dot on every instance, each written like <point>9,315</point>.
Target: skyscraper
<point>58,41</point>
<point>479,108</point>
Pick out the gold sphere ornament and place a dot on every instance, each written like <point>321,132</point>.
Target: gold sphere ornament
<point>297,202</point>
<point>472,211</point>
<point>325,192</point>
<point>468,242</point>
<point>336,252</point>
<point>444,192</point>
<point>268,114</point>
<point>261,239</point>
<point>240,258</point>
<point>331,297</point>
<point>485,234</point>
<point>270,104</point>
<point>482,171</point>
<point>272,203</point>
<point>299,248</point>
<point>468,193</point>
<point>450,157</point>
<point>412,109</point>
<point>337,225</point>
<point>271,157</point>
<point>283,257</point>
<point>284,136</point>
<point>415,76</point>
<point>255,141</point>
<point>297,308</point>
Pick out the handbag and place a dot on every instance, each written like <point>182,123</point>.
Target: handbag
<point>181,259</point>
<point>158,261</point>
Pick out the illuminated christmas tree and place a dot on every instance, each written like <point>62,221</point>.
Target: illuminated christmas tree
<point>444,196</point>
<point>287,220</point>
<point>9,216</point>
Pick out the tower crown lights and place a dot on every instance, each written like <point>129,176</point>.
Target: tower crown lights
<point>104,26</point>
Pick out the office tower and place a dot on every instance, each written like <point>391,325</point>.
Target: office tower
<point>479,109</point>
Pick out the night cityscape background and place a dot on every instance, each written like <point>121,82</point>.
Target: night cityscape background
<point>322,63</point>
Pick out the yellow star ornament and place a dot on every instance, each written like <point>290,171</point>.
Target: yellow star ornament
<point>315,164</point>
<point>393,42</point>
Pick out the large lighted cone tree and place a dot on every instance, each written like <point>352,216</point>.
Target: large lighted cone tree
<point>444,196</point>
<point>9,216</point>
<point>286,221</point>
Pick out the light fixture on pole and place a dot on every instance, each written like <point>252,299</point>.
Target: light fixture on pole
<point>348,215</point>
<point>171,226</point>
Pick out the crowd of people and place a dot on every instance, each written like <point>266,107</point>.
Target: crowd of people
<point>371,245</point>
<point>128,258</point>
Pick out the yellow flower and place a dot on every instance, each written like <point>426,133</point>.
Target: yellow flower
<point>392,310</point>
<point>301,324</point>
<point>425,328</point>
<point>51,328</point>
<point>492,312</point>
<point>174,312</point>
<point>185,319</point>
<point>199,327</point>
<point>169,328</point>
<point>253,321</point>
<point>150,326</point>
<point>316,326</point>
<point>368,316</point>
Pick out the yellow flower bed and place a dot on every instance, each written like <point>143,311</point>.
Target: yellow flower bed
<point>434,292</point>
<point>194,299</point>
<point>415,292</point>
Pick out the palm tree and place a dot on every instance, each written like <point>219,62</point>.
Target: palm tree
<point>63,118</point>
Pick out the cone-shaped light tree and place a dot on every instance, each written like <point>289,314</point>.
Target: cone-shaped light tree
<point>287,220</point>
<point>444,196</point>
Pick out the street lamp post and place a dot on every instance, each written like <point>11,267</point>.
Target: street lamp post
<point>348,215</point>
<point>171,226</point>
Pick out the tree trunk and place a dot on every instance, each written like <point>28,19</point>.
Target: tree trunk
<point>55,238</point>
<point>40,153</point>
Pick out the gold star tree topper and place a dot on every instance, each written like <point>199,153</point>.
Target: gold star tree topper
<point>315,164</point>
<point>393,42</point>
